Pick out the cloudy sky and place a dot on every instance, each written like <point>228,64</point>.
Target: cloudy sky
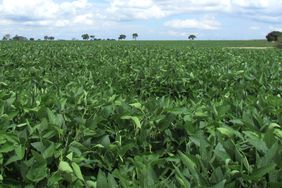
<point>151,19</point>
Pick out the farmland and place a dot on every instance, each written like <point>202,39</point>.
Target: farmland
<point>121,114</point>
<point>198,43</point>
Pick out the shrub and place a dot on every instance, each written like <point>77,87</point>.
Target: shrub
<point>273,36</point>
<point>279,45</point>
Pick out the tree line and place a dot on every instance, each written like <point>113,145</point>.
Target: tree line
<point>121,37</point>
<point>274,36</point>
<point>22,38</point>
<point>84,37</point>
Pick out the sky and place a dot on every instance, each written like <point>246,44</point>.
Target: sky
<point>151,19</point>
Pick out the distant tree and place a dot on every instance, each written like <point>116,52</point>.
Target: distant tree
<point>92,37</point>
<point>19,38</point>
<point>192,37</point>
<point>6,37</point>
<point>49,38</point>
<point>273,36</point>
<point>135,36</point>
<point>85,37</point>
<point>122,37</point>
<point>31,39</point>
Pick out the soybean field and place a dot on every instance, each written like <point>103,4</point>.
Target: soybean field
<point>110,115</point>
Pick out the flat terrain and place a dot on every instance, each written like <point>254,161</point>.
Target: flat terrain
<point>176,44</point>
<point>140,114</point>
<point>197,43</point>
<point>251,48</point>
<point>201,43</point>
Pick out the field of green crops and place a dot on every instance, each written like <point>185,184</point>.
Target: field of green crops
<point>196,43</point>
<point>86,114</point>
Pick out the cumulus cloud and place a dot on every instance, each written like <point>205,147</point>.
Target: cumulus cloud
<point>33,9</point>
<point>43,12</point>
<point>275,28</point>
<point>252,3</point>
<point>4,22</point>
<point>46,12</point>
<point>83,15</point>
<point>202,24</point>
<point>268,11</point>
<point>263,10</point>
<point>145,9</point>
<point>134,9</point>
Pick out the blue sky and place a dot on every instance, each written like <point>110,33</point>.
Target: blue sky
<point>151,19</point>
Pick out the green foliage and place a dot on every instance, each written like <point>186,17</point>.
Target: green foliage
<point>76,114</point>
<point>274,36</point>
<point>122,37</point>
<point>192,43</point>
<point>279,43</point>
<point>135,36</point>
<point>86,36</point>
<point>192,37</point>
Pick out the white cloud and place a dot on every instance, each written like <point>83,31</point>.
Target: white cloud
<point>275,28</point>
<point>272,18</point>
<point>4,22</point>
<point>74,5</point>
<point>203,24</point>
<point>263,10</point>
<point>87,19</point>
<point>146,9</point>
<point>46,12</point>
<point>134,9</point>
<point>186,6</point>
<point>251,3</point>
<point>110,15</point>
<point>176,33</point>
<point>36,9</point>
